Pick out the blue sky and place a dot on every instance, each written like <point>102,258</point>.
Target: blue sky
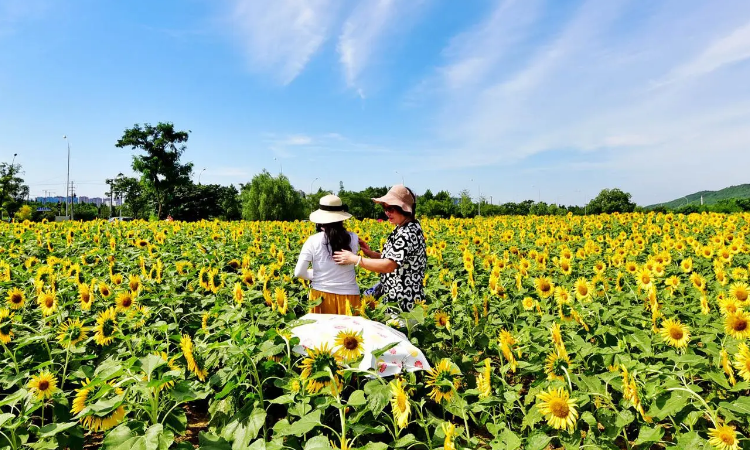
<point>520,99</point>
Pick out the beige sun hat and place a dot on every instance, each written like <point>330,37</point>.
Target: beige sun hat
<point>399,196</point>
<point>331,210</point>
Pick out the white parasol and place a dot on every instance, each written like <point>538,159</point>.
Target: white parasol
<point>375,335</point>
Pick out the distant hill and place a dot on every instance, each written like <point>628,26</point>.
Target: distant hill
<point>709,197</point>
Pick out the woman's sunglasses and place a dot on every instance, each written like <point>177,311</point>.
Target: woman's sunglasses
<point>391,208</point>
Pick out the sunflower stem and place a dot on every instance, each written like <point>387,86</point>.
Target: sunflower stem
<point>12,356</point>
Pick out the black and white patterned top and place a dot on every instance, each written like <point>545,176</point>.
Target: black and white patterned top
<point>406,247</point>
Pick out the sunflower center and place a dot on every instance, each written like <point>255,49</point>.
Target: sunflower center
<point>43,385</point>
<point>126,302</point>
<point>583,290</point>
<point>741,295</point>
<point>676,333</point>
<point>559,408</point>
<point>739,324</point>
<point>49,302</point>
<point>401,399</point>
<point>16,298</point>
<point>351,343</point>
<point>544,286</point>
<point>727,438</point>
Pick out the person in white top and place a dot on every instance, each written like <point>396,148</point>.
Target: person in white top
<point>334,284</point>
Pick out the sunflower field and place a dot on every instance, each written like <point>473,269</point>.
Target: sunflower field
<point>599,332</point>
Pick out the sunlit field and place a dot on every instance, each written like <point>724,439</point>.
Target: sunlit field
<point>612,332</point>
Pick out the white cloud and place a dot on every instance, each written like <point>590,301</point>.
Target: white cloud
<point>281,36</point>
<point>527,89</point>
<point>732,48</point>
<point>371,24</point>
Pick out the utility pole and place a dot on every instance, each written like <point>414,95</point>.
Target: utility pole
<point>72,194</point>
<point>67,180</point>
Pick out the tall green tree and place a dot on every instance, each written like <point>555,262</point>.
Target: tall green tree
<point>13,191</point>
<point>609,201</point>
<point>136,203</point>
<point>466,206</point>
<point>160,167</point>
<point>271,198</point>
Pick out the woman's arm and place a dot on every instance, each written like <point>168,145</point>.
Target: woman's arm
<point>367,251</point>
<point>302,269</point>
<point>372,264</point>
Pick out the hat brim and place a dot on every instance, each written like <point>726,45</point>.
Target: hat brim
<point>391,199</point>
<point>324,217</point>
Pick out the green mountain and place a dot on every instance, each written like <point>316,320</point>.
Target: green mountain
<point>709,197</point>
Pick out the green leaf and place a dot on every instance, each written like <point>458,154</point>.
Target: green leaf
<point>302,426</point>
<point>210,441</point>
<point>538,441</point>
<point>648,435</point>
<point>510,440</point>
<point>405,441</point>
<point>244,428</point>
<point>52,429</point>
<point>531,418</point>
<point>5,417</point>
<point>123,438</point>
<point>623,418</point>
<point>375,446</point>
<point>183,393</point>
<point>718,378</point>
<point>641,340</point>
<point>662,408</point>
<point>318,443</point>
<point>357,398</point>
<point>378,398</point>
<point>151,362</point>
<point>691,441</point>
<point>282,400</point>
<point>381,351</point>
<point>741,406</point>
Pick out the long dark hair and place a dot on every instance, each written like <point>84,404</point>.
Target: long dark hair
<point>337,237</point>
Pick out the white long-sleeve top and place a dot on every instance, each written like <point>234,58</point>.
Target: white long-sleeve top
<point>326,275</point>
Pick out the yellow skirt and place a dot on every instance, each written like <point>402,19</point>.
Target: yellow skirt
<point>333,303</point>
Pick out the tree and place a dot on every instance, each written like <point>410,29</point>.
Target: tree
<point>24,213</point>
<point>160,167</point>
<point>13,191</point>
<point>466,205</point>
<point>205,201</point>
<point>271,198</point>
<point>136,204</point>
<point>609,201</point>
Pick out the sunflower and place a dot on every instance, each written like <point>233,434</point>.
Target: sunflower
<point>16,298</point>
<point>443,320</point>
<point>116,279</point>
<point>699,282</point>
<point>565,267</point>
<point>350,345</point>
<point>43,386</point>
<point>686,265</point>
<point>103,392</point>
<point>723,438</point>
<point>544,286</point>
<point>675,333</point>
<point>282,301</point>
<point>106,327</point>
<point>47,302</point>
<point>582,289</point>
<point>71,332</point>
<point>562,295</point>
<point>454,290</point>
<point>124,301</point>
<point>559,409</point>
<point>6,325</point>
<point>443,379</point>
<point>186,344</point>
<point>104,290</point>
<point>599,267</point>
<point>528,303</point>
<point>400,403</point>
<point>631,267</point>
<point>319,360</point>
<point>739,291</point>
<point>728,305</point>
<point>742,361</point>
<point>215,280</point>
<point>727,367</point>
<point>450,432</point>
<point>556,335</point>
<point>85,296</point>
<point>134,283</point>
<point>557,364</point>
<point>484,380</point>
<point>644,278</point>
<point>737,325</point>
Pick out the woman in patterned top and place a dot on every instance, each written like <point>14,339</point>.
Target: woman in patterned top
<point>403,261</point>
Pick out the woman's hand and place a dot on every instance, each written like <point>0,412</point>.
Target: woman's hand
<point>344,257</point>
<point>363,245</point>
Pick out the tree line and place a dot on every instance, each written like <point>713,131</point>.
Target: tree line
<point>163,187</point>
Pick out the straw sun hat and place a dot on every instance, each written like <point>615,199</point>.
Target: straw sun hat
<point>331,210</point>
<point>399,196</point>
